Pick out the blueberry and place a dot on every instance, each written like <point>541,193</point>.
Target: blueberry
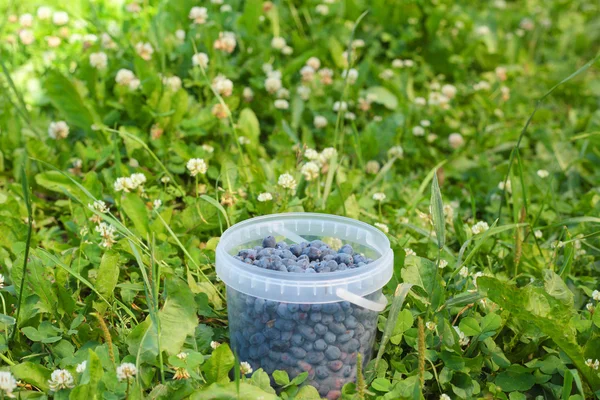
<point>288,359</point>
<point>320,329</point>
<point>269,241</point>
<point>315,316</point>
<point>283,311</point>
<point>332,353</point>
<point>344,258</point>
<point>346,371</point>
<point>298,352</point>
<point>308,346</point>
<point>323,390</point>
<point>310,271</point>
<point>346,249</point>
<point>271,305</point>
<point>259,305</point>
<point>282,245</point>
<point>279,345</point>
<point>316,307</point>
<point>274,355</point>
<point>297,339</point>
<point>345,337</point>
<point>335,365</point>
<point>337,328</point>
<point>263,350</point>
<point>317,243</point>
<point>331,308</point>
<point>305,307</point>
<point>296,249</point>
<point>330,337</point>
<point>333,395</point>
<point>286,335</point>
<point>339,317</point>
<point>320,345</point>
<point>315,357</point>
<point>326,319</point>
<point>322,373</point>
<point>284,325</point>
<point>307,332</point>
<point>313,253</point>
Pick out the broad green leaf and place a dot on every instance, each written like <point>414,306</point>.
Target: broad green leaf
<point>136,211</point>
<point>88,387</point>
<point>177,317</point>
<point>261,379</point>
<point>281,377</point>
<point>437,212</point>
<point>514,378</point>
<point>221,361</point>
<point>248,125</point>
<point>307,392</point>
<point>491,322</point>
<point>32,373</point>
<point>381,385</point>
<point>384,97</point>
<point>57,182</point>
<point>250,18</point>
<point>107,278</point>
<point>229,391</point>
<point>64,96</point>
<point>420,272</point>
<point>403,323</point>
<point>469,326</point>
<point>336,50</point>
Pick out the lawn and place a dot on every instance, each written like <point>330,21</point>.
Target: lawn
<point>134,133</point>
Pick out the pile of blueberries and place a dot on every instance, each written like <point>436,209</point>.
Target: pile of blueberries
<point>321,339</point>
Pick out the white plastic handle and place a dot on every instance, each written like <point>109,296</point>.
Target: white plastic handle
<point>360,301</point>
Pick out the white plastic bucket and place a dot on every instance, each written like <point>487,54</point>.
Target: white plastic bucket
<point>305,322</point>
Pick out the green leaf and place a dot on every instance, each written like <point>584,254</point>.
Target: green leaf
<point>248,125</point>
<point>384,97</point>
<point>469,326</point>
<point>57,182</point>
<point>261,379</point>
<point>336,50</point>
<point>491,322</point>
<point>381,385</point>
<point>34,374</point>
<point>307,393</point>
<point>281,377</point>
<point>516,377</point>
<point>88,387</point>
<point>107,278</point>
<point>217,205</point>
<point>136,211</point>
<point>403,323</point>
<point>437,212</point>
<point>231,391</point>
<point>420,272</point>
<point>250,18</point>
<point>178,316</point>
<point>217,368</point>
<point>301,377</point>
<point>64,96</point>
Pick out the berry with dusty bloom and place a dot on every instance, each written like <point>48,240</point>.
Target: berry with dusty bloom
<point>8,383</point>
<point>144,50</point>
<point>287,181</point>
<point>198,15</point>
<point>379,196</point>
<point>200,60</point>
<point>245,368</point>
<point>60,18</point>
<point>126,371</point>
<point>281,104</point>
<point>310,170</point>
<point>456,140</point>
<point>480,227</point>
<point>372,167</point>
<point>81,367</point>
<point>226,42</point>
<point>320,121</point>
<point>58,130</point>
<point>222,85</point>
<point>266,196</point>
<point>197,166</point>
<point>61,379</point>
<point>382,227</point>
<point>99,60</point>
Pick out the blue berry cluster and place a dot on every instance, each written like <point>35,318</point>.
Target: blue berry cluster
<point>321,339</point>
<point>306,257</point>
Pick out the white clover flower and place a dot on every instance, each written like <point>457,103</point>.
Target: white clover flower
<point>397,63</point>
<point>1,281</point>
<point>396,152</point>
<point>444,396</point>
<point>208,148</point>
<point>243,140</point>
<point>430,325</point>
<point>463,340</point>
<point>379,196</point>
<point>134,84</point>
<point>480,227</point>
<point>262,197</point>
<point>420,101</point>
<point>287,50</point>
<point>281,104</point>
<point>443,264</point>
<point>538,234</point>
<point>107,233</point>
<point>8,383</point>
<point>464,272</point>
<point>314,63</point>
<point>156,204</point>
<point>225,8</point>
<point>481,85</point>
<point>326,75</point>
<point>60,18</point>
<point>593,364</point>
<point>222,85</point>
<point>418,131</point>
<point>144,50</point>
<point>438,99</point>
<point>507,186</point>
<point>126,371</point>
<point>283,93</point>
<point>180,34</point>
<point>425,123</point>
<point>542,173</point>
<point>172,82</point>
<point>386,74</point>
<point>81,367</point>
<point>61,379</point>
<point>310,170</point>
<point>248,94</point>
<point>303,92</point>
<point>200,60</point>
<point>409,251</point>
<point>133,7</point>
<point>456,140</point>
<point>350,116</point>
<point>53,41</point>
<point>409,63</point>
<point>198,15</point>
<point>449,91</point>
<point>322,9</point>
<point>383,227</point>
<point>44,13</point>
<point>124,77</point>
<point>596,295</point>
<point>26,20</point>
<point>328,153</point>
<point>220,111</point>
<point>475,276</point>
<point>245,368</point>
<point>197,166</point>
<point>58,130</point>
<point>372,167</point>
<point>99,60</point>
<point>287,181</point>
<point>340,105</point>
<point>278,43</point>
<point>589,307</point>
<point>308,73</point>
<point>272,84</point>
<point>99,206</point>
<point>226,42</point>
<point>351,74</point>
<point>214,344</point>
<point>311,154</point>
<point>182,355</point>
<point>482,30</point>
<point>26,36</point>
<point>138,179</point>
<point>320,121</point>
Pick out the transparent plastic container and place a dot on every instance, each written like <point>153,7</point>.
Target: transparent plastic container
<point>299,322</point>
